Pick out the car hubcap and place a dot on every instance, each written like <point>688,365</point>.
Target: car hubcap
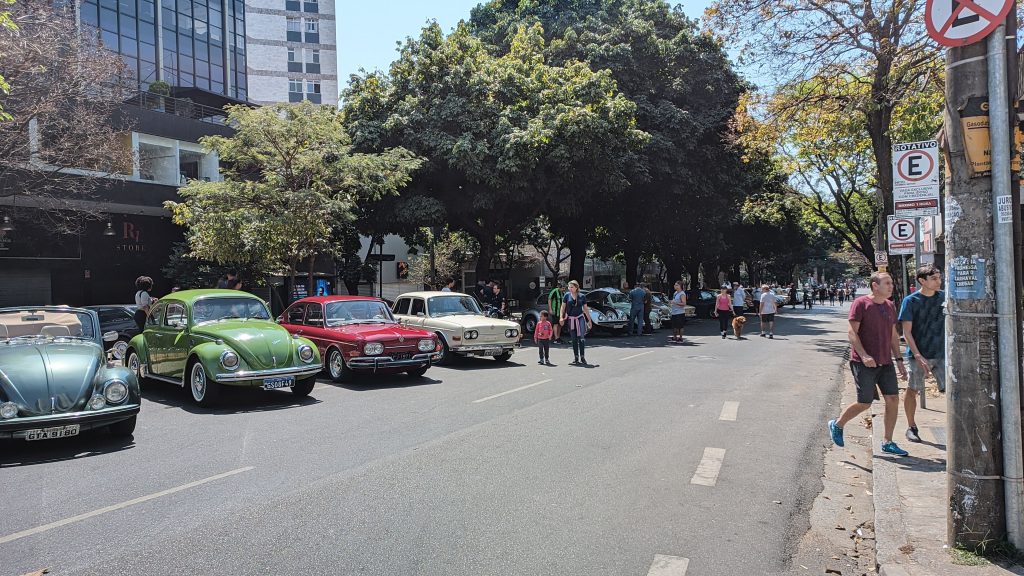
<point>337,365</point>
<point>133,364</point>
<point>198,382</point>
<point>119,348</point>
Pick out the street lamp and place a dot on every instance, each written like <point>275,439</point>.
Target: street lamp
<point>8,225</point>
<point>109,230</point>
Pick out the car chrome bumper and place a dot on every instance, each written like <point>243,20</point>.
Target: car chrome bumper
<point>87,419</point>
<point>386,362</point>
<point>505,347</point>
<point>245,375</point>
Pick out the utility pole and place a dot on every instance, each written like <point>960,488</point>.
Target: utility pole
<point>980,307</point>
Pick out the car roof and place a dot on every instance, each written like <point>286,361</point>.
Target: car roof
<point>429,294</point>
<point>337,298</point>
<point>193,295</point>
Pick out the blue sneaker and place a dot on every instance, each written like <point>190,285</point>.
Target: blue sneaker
<point>892,448</point>
<point>836,431</point>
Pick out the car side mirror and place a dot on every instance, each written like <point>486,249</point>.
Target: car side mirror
<point>110,336</point>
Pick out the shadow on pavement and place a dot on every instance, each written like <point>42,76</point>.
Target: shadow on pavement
<point>367,382</point>
<point>233,399</point>
<point>89,443</point>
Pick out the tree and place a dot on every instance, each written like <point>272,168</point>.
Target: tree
<point>451,250</point>
<point>551,247</point>
<point>827,46</point>
<point>291,182</point>
<point>59,142</point>
<point>685,92</point>
<point>500,134</point>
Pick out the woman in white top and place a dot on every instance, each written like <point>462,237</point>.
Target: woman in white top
<point>143,284</point>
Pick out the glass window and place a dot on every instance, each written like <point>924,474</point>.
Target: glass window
<point>312,26</point>
<point>402,306</point>
<point>312,87</point>
<point>185,7</point>
<point>185,64</point>
<point>108,20</point>
<point>110,40</point>
<point>127,28</point>
<point>175,315</point>
<point>314,315</point>
<point>170,42</point>
<point>314,56</point>
<point>201,29</point>
<point>200,13</point>
<point>222,308</point>
<point>126,7</point>
<point>455,304</point>
<point>202,68</point>
<point>184,45</point>
<point>216,35</point>
<point>417,308</point>
<point>295,314</point>
<point>90,15</point>
<point>129,47</point>
<point>202,51</point>
<point>184,23</point>
<point>169,19</point>
<point>294,85</point>
<point>147,10</point>
<point>291,54</point>
<point>294,25</point>
<point>155,315</point>
<point>147,33</point>
<point>357,312</point>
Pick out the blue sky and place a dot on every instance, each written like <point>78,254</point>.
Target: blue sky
<point>368,31</point>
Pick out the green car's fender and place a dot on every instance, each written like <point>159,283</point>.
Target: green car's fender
<point>296,342</point>
<point>208,353</point>
<point>138,344</point>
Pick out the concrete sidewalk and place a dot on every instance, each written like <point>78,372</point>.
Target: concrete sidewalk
<point>910,499</point>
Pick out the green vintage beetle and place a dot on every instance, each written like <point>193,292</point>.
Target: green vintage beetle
<point>205,339</point>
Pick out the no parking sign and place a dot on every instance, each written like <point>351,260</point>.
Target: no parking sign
<point>963,22</point>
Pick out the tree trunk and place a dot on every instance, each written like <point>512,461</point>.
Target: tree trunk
<point>632,263</point>
<point>292,274</point>
<point>577,245</point>
<point>674,272</point>
<point>692,269</point>
<point>483,261</point>
<point>312,283</point>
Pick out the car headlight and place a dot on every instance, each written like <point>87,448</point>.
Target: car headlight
<point>470,334</point>
<point>306,352</point>
<point>425,345</point>
<point>115,392</point>
<point>601,318</point>
<point>8,410</point>
<point>229,360</point>
<point>97,402</point>
<point>511,333</point>
<point>373,349</point>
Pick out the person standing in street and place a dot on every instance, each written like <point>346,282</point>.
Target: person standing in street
<point>449,285</point>
<point>924,328</point>
<point>792,296</point>
<point>576,312</point>
<point>678,307</point>
<point>542,337</point>
<point>739,299</point>
<point>555,306</point>
<point>723,311</point>
<point>143,301</point>
<point>648,308</point>
<point>636,310</point>
<point>808,298</point>
<point>230,281</point>
<point>874,344</point>
<point>766,312</point>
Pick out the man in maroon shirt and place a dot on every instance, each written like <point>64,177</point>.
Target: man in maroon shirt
<point>874,347</point>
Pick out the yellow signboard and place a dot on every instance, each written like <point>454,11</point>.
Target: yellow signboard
<point>978,143</point>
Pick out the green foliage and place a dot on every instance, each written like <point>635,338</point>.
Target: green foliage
<point>160,87</point>
<point>6,24</point>
<point>291,184</point>
<point>451,249</point>
<point>188,272</point>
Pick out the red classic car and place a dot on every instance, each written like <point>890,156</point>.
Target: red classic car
<point>357,334</point>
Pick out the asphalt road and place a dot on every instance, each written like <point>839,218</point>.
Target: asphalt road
<point>659,459</point>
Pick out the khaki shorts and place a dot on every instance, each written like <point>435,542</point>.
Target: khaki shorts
<point>917,374</point>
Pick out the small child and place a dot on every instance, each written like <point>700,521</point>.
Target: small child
<point>542,336</point>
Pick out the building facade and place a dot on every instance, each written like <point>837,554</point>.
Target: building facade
<point>292,51</point>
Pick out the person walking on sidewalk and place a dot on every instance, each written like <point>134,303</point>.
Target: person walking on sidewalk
<point>577,313</point>
<point>924,328</point>
<point>723,311</point>
<point>766,312</point>
<point>874,344</point>
<point>739,299</point>
<point>636,310</point>
<point>555,305</point>
<point>542,337</point>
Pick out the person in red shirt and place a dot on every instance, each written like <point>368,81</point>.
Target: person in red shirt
<point>542,336</point>
<point>874,348</point>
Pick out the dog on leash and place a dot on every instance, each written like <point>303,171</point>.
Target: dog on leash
<point>737,326</point>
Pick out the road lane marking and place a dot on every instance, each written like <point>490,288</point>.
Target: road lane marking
<point>511,391</point>
<point>668,566</point>
<point>114,507</point>
<point>710,465</point>
<point>729,411</point>
<point>636,355</point>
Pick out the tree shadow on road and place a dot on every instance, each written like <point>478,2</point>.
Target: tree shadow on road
<point>368,382</point>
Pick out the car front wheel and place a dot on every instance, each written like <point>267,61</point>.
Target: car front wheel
<point>417,373</point>
<point>447,356</point>
<point>134,363</point>
<point>304,387</point>
<point>503,357</point>
<point>204,391</point>
<point>530,324</point>
<point>123,428</point>
<point>336,367</point>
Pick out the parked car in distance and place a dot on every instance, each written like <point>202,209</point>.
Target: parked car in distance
<point>55,381</point>
<point>663,301</point>
<point>603,312</point>
<point>459,324</point>
<point>118,318</point>
<point>358,334</point>
<point>703,302</point>
<point>204,340</point>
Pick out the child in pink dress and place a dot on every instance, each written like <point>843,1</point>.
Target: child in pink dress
<point>542,336</point>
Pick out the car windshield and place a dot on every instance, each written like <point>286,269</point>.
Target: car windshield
<point>618,298</point>
<point>46,324</point>
<point>358,312</point>
<point>447,305</point>
<point>212,309</point>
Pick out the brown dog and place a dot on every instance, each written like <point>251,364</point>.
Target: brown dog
<point>737,325</point>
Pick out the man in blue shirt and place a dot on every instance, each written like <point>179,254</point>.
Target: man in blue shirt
<point>924,328</point>
<point>636,310</point>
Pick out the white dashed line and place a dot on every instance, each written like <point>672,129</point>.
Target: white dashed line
<point>112,508</point>
<point>511,391</point>
<point>710,465</point>
<point>636,355</point>
<point>668,566</point>
<point>729,411</point>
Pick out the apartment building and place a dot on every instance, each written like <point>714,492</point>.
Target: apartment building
<point>292,51</point>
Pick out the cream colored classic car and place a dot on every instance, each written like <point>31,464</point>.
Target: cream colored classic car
<point>457,320</point>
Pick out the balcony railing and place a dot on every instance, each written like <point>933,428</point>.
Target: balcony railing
<point>179,106</point>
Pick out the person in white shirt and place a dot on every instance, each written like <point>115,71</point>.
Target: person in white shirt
<point>739,299</point>
<point>143,301</point>
<point>448,287</point>
<point>767,312</point>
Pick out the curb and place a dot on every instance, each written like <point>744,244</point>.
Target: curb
<point>890,530</point>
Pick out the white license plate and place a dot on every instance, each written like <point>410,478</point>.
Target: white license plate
<point>492,351</point>
<point>275,383</point>
<point>51,433</point>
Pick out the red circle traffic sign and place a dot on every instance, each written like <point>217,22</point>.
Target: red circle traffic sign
<point>962,22</point>
<point>902,230</point>
<point>925,174</point>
